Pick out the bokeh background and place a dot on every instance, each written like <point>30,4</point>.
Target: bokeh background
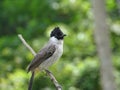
<point>79,67</point>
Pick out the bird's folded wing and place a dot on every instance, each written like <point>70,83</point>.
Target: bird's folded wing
<point>43,55</point>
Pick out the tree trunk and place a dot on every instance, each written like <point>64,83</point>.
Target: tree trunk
<point>101,35</point>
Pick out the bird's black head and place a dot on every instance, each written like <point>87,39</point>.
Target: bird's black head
<point>57,33</point>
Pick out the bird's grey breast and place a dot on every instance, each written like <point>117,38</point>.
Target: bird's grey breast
<point>57,54</point>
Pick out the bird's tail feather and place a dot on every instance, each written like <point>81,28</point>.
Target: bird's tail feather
<point>31,81</point>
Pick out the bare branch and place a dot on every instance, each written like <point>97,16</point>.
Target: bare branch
<point>26,44</point>
<point>58,87</point>
<point>53,79</point>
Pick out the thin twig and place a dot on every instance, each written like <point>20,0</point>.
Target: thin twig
<point>26,44</point>
<point>58,87</point>
<point>53,79</point>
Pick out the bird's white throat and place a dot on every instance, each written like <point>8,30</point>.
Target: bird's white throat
<point>55,40</point>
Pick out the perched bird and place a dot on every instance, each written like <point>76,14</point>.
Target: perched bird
<point>50,53</point>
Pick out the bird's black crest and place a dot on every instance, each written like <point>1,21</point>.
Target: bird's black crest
<point>57,33</point>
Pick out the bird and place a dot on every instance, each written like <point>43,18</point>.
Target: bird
<point>49,54</point>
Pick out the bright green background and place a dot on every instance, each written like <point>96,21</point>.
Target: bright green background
<point>78,69</point>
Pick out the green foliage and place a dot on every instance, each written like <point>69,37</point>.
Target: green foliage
<point>78,69</point>
<point>89,77</point>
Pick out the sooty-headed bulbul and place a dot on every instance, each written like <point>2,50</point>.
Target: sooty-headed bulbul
<point>50,53</point>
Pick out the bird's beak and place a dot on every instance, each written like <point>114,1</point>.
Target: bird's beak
<point>64,35</point>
